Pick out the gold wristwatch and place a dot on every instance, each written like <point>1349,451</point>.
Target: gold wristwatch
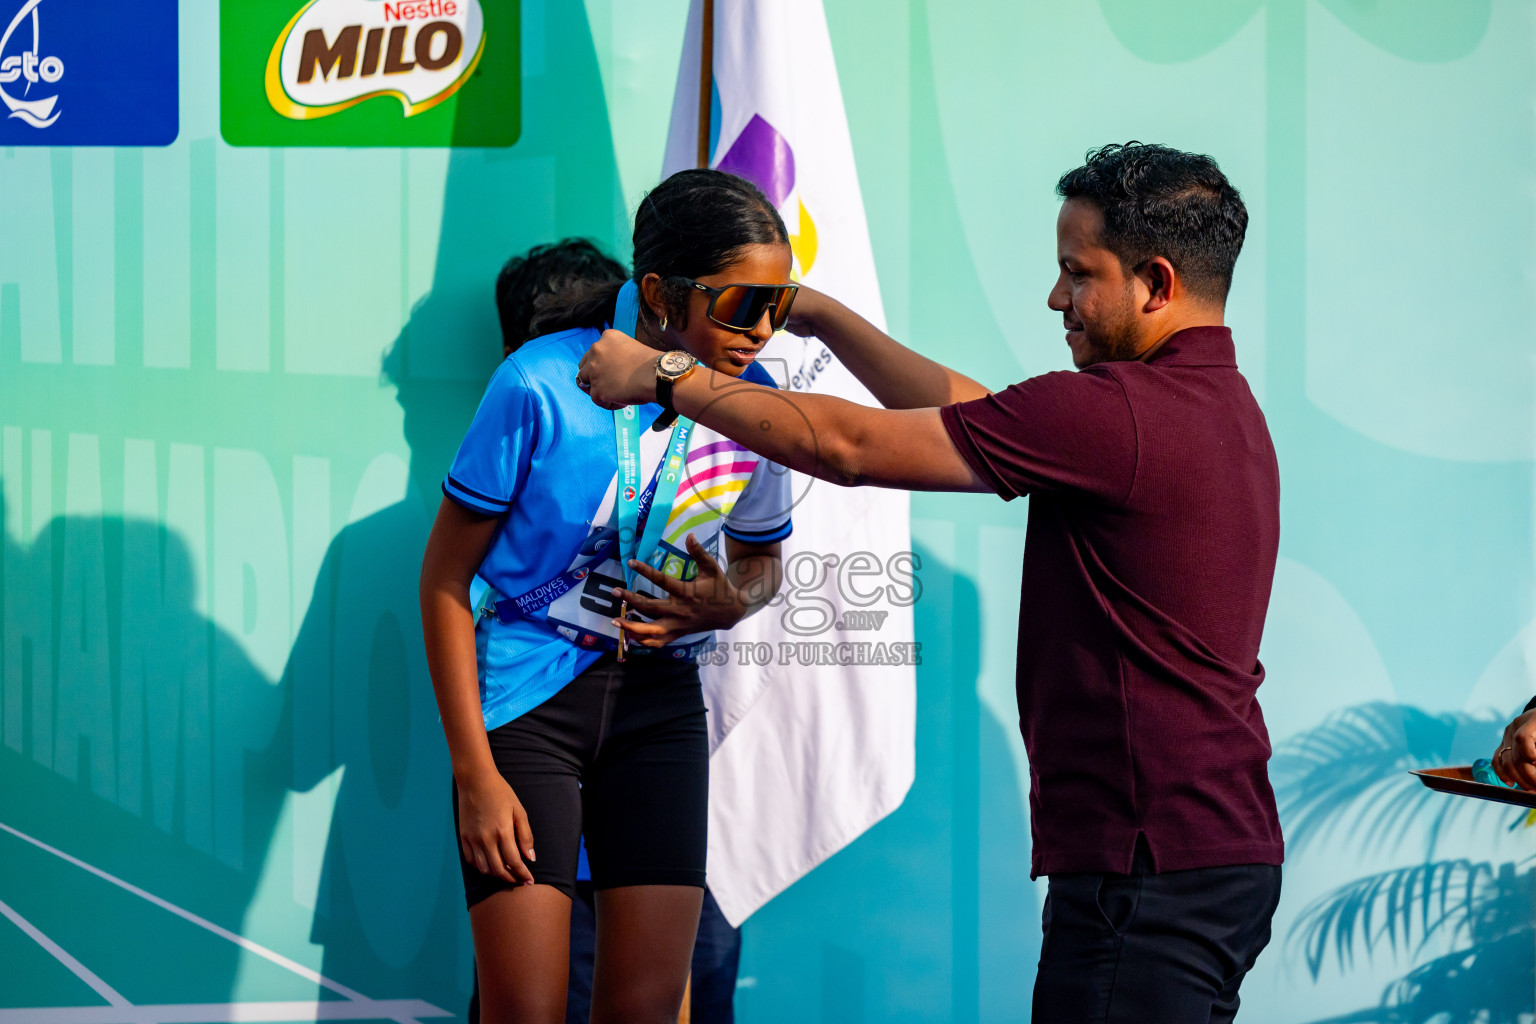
<point>671,367</point>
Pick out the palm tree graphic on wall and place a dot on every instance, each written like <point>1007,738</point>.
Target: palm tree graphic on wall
<point>1349,776</point>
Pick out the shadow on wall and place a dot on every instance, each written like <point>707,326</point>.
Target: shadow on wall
<point>931,914</point>
<point>1347,779</point>
<point>140,738</point>
<point>309,810</point>
<point>367,745</point>
<point>152,777</point>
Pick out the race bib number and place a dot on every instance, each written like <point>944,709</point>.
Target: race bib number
<point>585,613</point>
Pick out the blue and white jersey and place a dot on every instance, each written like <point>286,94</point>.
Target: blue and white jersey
<point>541,454</point>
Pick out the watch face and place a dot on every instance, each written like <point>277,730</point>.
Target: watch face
<point>675,362</point>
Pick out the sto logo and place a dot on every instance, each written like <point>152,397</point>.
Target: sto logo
<point>33,68</point>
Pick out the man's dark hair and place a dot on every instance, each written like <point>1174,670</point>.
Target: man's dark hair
<point>1159,201</point>
<point>546,270</point>
<point>695,223</point>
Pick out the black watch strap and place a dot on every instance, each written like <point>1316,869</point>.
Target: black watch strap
<point>664,399</point>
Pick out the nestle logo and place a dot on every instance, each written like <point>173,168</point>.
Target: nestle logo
<point>420,9</point>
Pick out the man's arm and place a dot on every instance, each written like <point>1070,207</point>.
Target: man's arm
<point>821,436</point>
<point>898,377</point>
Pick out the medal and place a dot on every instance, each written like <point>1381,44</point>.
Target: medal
<point>623,636</point>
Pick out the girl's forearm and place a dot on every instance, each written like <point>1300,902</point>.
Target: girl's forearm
<point>455,549</point>
<point>449,630</point>
<point>757,578</point>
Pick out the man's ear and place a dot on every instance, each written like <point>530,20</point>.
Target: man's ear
<point>1159,278</point>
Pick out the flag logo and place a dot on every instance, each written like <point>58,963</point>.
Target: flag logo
<point>763,156</point>
<point>335,54</point>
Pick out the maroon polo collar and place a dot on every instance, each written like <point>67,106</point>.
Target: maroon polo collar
<point>1197,346</point>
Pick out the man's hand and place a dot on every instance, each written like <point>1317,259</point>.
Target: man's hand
<point>1515,760</point>
<point>708,601</point>
<point>618,371</point>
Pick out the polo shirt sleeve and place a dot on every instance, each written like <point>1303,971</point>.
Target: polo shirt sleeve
<point>1062,433</point>
<point>492,462</point>
<point>761,514</point>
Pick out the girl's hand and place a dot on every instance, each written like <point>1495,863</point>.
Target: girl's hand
<point>493,829</point>
<point>708,601</point>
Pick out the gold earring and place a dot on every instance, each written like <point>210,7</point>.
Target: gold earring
<point>663,322</point>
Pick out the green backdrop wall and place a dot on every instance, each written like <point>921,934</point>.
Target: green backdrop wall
<point>230,379</point>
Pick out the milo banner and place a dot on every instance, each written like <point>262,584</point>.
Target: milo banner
<point>369,72</point>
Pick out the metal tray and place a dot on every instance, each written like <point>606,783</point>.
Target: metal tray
<point>1458,780</point>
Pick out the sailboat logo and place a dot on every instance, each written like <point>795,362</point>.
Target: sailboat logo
<point>23,71</point>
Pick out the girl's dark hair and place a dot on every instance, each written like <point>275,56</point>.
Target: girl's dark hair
<point>546,270</point>
<point>694,224</point>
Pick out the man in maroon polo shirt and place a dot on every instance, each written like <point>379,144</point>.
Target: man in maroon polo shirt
<point>1153,530</point>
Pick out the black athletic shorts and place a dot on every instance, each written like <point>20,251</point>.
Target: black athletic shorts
<point>620,754</point>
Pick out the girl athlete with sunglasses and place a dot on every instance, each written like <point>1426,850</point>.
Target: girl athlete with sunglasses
<point>569,581</point>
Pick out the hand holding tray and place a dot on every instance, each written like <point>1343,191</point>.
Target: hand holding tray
<point>1458,780</point>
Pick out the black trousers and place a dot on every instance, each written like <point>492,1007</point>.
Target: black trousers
<point>1169,948</point>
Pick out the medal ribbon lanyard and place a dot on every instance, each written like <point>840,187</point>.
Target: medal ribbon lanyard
<point>627,502</point>
<point>635,541</point>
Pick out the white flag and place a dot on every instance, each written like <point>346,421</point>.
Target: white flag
<point>805,755</point>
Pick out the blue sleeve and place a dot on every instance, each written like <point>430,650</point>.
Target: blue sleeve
<point>761,514</point>
<point>757,375</point>
<point>492,462</point>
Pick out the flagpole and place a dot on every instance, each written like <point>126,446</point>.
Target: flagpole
<point>706,97</point>
<point>706,79</point>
